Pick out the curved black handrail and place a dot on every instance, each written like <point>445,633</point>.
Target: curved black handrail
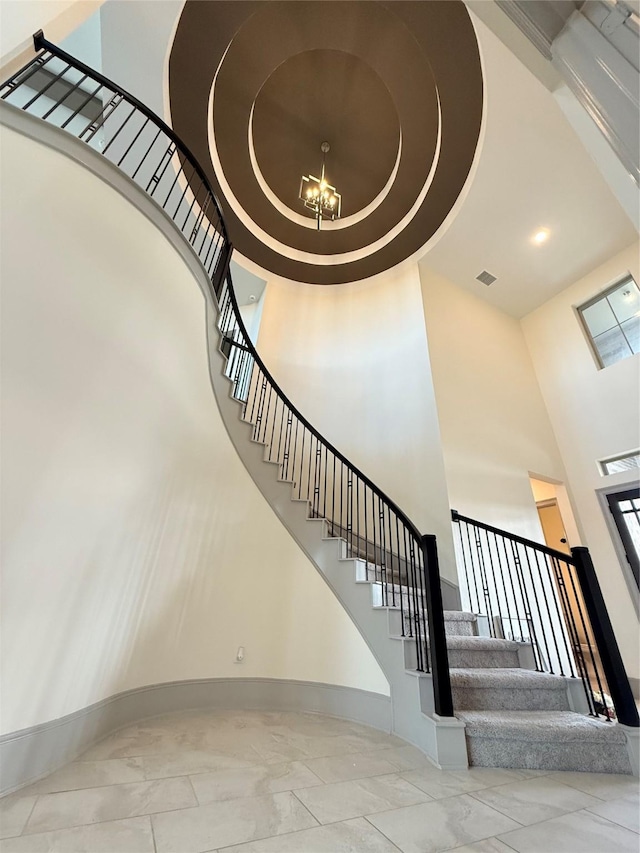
<point>403,564</point>
<point>513,537</point>
<point>40,43</point>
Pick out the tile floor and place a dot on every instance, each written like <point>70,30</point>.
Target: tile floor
<point>248,782</point>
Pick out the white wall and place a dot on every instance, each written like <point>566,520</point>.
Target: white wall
<point>595,414</point>
<point>126,26</point>
<point>495,428</point>
<point>136,549</point>
<point>20,19</point>
<point>354,359</point>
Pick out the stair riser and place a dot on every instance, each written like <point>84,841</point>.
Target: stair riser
<point>576,756</point>
<point>460,629</point>
<point>466,659</point>
<point>509,699</point>
<point>482,659</point>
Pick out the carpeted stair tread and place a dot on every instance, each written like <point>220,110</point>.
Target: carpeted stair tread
<point>500,678</point>
<point>459,616</point>
<point>482,644</point>
<point>534,726</point>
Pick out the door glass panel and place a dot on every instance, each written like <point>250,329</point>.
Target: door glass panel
<point>633,526</point>
<point>625,509</point>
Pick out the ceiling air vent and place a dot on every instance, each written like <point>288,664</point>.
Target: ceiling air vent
<point>486,278</point>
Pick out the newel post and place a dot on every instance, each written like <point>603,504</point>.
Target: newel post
<point>443,700</point>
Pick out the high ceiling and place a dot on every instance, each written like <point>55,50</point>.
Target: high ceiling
<point>256,87</point>
<point>533,170</point>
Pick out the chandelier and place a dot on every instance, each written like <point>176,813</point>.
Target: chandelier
<point>318,195</point>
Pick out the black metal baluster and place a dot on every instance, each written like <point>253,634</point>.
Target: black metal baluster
<point>585,632</point>
<point>265,423</point>
<point>273,427</point>
<point>132,143</point>
<point>474,576</point>
<point>41,92</point>
<point>573,634</point>
<point>13,83</point>
<point>64,97</point>
<point>119,131</point>
<point>542,633</point>
<point>187,187</point>
<point>366,537</point>
<point>94,125</point>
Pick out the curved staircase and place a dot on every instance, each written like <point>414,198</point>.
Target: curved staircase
<point>382,570</point>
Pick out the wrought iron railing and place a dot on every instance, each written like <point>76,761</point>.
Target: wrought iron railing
<point>65,92</point>
<point>552,600</point>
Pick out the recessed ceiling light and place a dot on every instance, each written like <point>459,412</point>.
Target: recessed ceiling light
<point>541,236</point>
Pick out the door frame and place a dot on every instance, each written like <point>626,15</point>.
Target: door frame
<point>613,499</point>
<point>616,539</point>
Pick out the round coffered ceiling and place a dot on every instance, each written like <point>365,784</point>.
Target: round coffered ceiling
<point>395,88</point>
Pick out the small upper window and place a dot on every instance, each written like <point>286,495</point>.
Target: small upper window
<point>612,322</point>
<point>620,464</point>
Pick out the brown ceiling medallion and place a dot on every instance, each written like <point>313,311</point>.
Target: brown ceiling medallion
<point>307,92</point>
<point>397,88</point>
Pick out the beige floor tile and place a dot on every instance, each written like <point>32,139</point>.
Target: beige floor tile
<point>535,800</point>
<point>219,825</point>
<point>344,800</point>
<point>387,740</point>
<point>439,825</point>
<point>605,786</point>
<point>188,762</point>
<point>488,845</point>
<point>313,725</point>
<point>489,777</point>
<point>129,743</point>
<point>407,758</point>
<point>14,814</point>
<point>114,802</point>
<point>265,779</point>
<point>119,836</point>
<point>440,783</point>
<point>168,735</point>
<point>579,832</point>
<point>292,746</point>
<point>90,774</point>
<point>341,768</point>
<point>625,812</point>
<point>352,836</point>
<point>252,781</point>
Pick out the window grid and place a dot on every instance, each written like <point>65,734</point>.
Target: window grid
<point>612,322</point>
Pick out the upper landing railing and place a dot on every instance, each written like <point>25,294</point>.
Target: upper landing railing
<point>65,92</point>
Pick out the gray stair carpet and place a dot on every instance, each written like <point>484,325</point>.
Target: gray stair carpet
<point>521,718</point>
<point>502,689</point>
<point>542,740</point>
<point>482,652</point>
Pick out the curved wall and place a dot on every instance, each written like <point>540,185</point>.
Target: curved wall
<point>136,549</point>
<point>354,359</point>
